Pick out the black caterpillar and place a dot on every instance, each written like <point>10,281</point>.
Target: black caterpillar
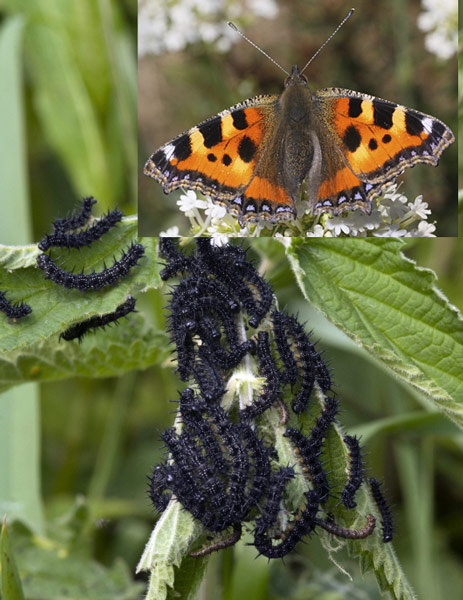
<point>78,330</point>
<point>61,237</point>
<point>13,311</point>
<point>219,467</point>
<point>355,472</point>
<point>385,511</point>
<point>78,220</point>
<point>96,280</point>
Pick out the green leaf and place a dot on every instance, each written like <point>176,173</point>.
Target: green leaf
<point>30,349</point>
<point>10,584</point>
<point>390,307</point>
<point>176,531</point>
<point>18,257</point>
<point>424,423</point>
<point>167,548</point>
<point>108,353</point>
<point>61,567</point>
<point>188,579</point>
<point>374,555</point>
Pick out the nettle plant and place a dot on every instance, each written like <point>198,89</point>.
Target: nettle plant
<point>234,452</point>
<point>257,449</point>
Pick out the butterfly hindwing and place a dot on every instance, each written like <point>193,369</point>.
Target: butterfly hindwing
<point>378,140</point>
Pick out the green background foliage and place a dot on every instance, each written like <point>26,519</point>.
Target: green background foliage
<point>80,424</point>
<point>460,112</point>
<point>78,97</point>
<point>399,383</point>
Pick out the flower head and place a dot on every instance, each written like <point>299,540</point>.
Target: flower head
<point>393,214</point>
<point>439,19</point>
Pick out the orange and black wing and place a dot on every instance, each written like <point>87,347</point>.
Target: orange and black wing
<point>220,158</point>
<point>368,142</point>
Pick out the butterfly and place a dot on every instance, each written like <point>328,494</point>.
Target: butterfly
<point>252,158</point>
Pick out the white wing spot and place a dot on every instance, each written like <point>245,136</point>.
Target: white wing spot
<point>169,150</point>
<point>427,124</point>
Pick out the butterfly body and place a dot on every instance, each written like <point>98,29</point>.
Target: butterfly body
<point>253,157</point>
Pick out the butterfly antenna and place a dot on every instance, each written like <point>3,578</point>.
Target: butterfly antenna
<point>348,16</point>
<point>233,26</point>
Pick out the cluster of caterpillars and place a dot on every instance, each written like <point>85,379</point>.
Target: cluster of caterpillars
<point>71,233</point>
<point>220,466</point>
<point>74,233</point>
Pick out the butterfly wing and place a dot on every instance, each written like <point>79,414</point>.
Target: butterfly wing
<point>220,157</point>
<point>368,142</point>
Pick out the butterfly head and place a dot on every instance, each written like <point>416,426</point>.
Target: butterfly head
<point>295,78</point>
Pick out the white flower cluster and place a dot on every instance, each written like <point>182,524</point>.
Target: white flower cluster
<point>171,26</point>
<point>440,19</point>
<point>393,216</point>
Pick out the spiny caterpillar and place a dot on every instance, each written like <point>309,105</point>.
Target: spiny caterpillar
<point>96,280</point>
<point>78,220</point>
<point>385,511</point>
<point>78,330</point>
<point>13,311</point>
<point>85,237</point>
<point>221,465</point>
<point>62,239</point>
<point>355,472</point>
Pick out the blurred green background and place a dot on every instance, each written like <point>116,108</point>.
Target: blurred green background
<point>75,66</point>
<point>67,114</point>
<point>460,113</point>
<point>379,51</point>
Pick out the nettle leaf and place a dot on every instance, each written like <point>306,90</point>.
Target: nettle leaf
<point>58,569</point>
<point>373,554</point>
<point>10,584</point>
<point>167,548</point>
<point>18,257</point>
<point>30,349</point>
<point>176,533</point>
<point>390,307</point>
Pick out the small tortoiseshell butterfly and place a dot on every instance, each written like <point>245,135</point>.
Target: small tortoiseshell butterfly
<point>253,157</point>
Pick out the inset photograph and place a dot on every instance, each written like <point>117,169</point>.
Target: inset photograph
<point>249,126</point>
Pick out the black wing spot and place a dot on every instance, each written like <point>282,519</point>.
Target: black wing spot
<point>239,119</point>
<point>182,147</point>
<point>355,107</point>
<point>383,114</point>
<point>247,149</point>
<point>413,123</point>
<point>352,138</point>
<point>211,132</point>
